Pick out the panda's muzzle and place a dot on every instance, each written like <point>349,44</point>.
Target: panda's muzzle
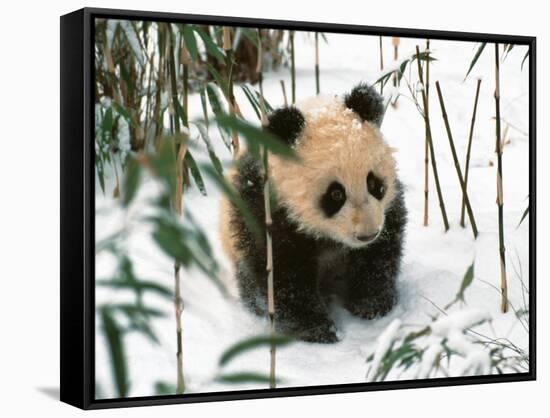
<point>367,238</point>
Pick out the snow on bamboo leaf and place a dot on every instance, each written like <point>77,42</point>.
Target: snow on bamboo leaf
<point>195,172</point>
<point>210,45</point>
<point>216,163</point>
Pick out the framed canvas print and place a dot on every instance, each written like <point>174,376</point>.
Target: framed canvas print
<point>258,208</point>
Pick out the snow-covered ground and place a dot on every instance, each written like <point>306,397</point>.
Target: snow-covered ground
<point>434,262</point>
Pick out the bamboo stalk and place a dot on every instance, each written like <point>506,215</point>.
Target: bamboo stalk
<point>431,145</point>
<point>268,223</point>
<point>381,63</point>
<point>395,42</point>
<point>500,194</point>
<point>426,142</point>
<point>148,102</point>
<point>185,61</point>
<point>292,67</point>
<point>284,93</point>
<point>160,82</point>
<point>467,164</point>
<point>180,149</point>
<point>317,75</point>
<point>455,159</point>
<point>231,99</point>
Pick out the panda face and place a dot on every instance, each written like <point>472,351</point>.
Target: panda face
<point>345,180</point>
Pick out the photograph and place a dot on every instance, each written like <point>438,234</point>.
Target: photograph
<point>280,208</point>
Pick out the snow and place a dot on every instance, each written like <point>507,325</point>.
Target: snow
<point>133,40</point>
<point>383,344</point>
<point>434,261</point>
<point>458,320</point>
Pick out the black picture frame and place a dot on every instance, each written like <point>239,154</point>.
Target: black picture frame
<point>77,208</point>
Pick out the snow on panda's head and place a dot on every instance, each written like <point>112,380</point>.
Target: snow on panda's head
<point>345,179</point>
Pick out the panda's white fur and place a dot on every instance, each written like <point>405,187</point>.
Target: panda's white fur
<point>335,145</point>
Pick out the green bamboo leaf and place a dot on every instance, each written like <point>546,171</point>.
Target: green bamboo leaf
<point>143,327</point>
<point>219,110</point>
<point>131,181</point>
<point>256,137</point>
<point>163,388</point>
<point>525,213</point>
<point>210,45</point>
<point>203,130</point>
<point>113,334</point>
<point>524,58</point>
<point>138,285</point>
<point>202,93</point>
<point>475,58</point>
<point>124,113</point>
<point>252,343</point>
<point>101,177</point>
<point>180,112</point>
<point>163,164</point>
<point>220,81</point>
<point>252,101</point>
<point>230,192</point>
<point>134,310</point>
<point>190,42</point>
<point>168,237</point>
<point>466,282</point>
<point>250,34</point>
<point>253,97</point>
<point>244,377</point>
<point>195,172</point>
<point>107,124</point>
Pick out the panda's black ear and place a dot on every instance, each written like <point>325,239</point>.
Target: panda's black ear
<point>367,103</point>
<point>287,123</point>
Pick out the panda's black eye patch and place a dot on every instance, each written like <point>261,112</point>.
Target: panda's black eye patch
<point>375,186</point>
<point>333,199</point>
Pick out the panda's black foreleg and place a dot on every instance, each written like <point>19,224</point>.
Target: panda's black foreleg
<point>371,281</point>
<point>371,295</point>
<point>299,310</point>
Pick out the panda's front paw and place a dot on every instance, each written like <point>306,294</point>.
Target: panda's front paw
<point>325,333</point>
<point>370,308</point>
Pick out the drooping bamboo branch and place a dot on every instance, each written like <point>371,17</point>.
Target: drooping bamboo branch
<point>292,67</point>
<point>467,164</point>
<point>500,194</point>
<point>180,148</point>
<point>231,97</point>
<point>455,159</point>
<point>317,75</point>
<point>426,142</point>
<point>268,222</point>
<point>431,146</point>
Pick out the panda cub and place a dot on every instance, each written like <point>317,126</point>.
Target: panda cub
<point>338,217</point>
